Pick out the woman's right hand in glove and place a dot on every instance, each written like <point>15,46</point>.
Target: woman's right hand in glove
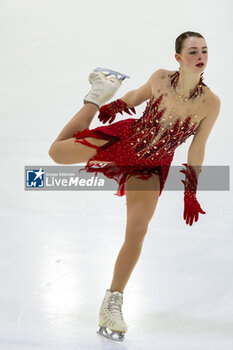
<point>108,112</point>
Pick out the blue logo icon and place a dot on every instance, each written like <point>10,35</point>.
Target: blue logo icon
<point>35,178</point>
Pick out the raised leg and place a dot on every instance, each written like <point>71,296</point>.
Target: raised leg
<point>64,150</point>
<point>141,205</point>
<point>81,120</point>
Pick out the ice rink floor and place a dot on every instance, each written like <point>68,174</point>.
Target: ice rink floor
<point>57,260</point>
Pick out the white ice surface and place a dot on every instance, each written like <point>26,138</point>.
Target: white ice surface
<point>58,249</point>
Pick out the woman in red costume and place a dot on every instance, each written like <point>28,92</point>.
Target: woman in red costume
<point>137,152</point>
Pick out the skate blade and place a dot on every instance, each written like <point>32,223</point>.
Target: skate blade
<point>112,72</point>
<point>114,335</point>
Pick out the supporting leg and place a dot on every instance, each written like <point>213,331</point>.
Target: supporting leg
<point>125,263</point>
<point>141,205</point>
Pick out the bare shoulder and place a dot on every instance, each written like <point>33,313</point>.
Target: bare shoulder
<point>157,75</point>
<point>212,98</point>
<point>160,76</point>
<point>157,80</point>
<point>213,103</point>
<point>211,109</point>
<point>168,72</point>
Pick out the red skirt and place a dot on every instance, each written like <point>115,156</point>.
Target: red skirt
<point>123,160</point>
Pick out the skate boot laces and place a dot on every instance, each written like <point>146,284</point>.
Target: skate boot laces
<point>115,303</point>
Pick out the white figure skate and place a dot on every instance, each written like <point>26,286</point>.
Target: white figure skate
<point>110,316</point>
<point>104,86</point>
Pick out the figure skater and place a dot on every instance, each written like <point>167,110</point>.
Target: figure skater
<point>133,150</point>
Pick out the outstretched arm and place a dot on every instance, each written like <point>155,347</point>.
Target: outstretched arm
<point>196,156</point>
<point>130,100</point>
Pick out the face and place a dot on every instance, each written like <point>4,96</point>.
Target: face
<point>190,56</point>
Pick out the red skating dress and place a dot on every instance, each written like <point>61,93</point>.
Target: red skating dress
<point>141,146</point>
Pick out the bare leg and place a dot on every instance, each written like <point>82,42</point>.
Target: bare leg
<point>64,150</point>
<point>79,122</point>
<point>140,208</point>
<point>125,263</point>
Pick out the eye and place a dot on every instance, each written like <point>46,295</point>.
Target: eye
<point>195,52</point>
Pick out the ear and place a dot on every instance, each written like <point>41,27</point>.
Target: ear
<point>178,58</point>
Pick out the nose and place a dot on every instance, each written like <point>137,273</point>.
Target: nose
<point>201,58</point>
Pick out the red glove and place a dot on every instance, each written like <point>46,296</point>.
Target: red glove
<point>191,206</point>
<point>109,111</point>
